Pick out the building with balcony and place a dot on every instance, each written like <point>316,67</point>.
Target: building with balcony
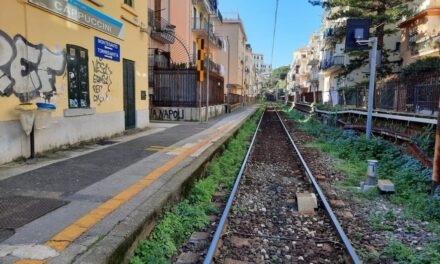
<point>334,58</point>
<point>250,74</point>
<point>421,32</point>
<point>233,30</point>
<point>174,78</point>
<point>196,19</point>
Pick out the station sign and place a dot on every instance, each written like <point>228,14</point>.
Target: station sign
<point>107,49</point>
<point>79,12</point>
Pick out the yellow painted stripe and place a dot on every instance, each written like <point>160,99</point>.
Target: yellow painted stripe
<point>30,261</point>
<point>62,240</point>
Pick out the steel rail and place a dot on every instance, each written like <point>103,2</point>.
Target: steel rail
<point>329,210</point>
<point>219,230</point>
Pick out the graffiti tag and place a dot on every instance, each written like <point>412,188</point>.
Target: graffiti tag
<point>101,81</point>
<point>28,70</point>
<point>167,114</point>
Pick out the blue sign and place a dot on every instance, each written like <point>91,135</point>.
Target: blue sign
<point>84,14</point>
<point>107,49</point>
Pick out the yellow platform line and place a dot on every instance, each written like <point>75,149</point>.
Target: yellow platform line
<point>30,261</point>
<point>165,149</point>
<point>64,238</point>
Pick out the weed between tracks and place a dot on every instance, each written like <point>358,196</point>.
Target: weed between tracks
<point>411,178</point>
<point>179,222</point>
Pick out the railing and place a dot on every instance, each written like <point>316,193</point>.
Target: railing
<point>426,45</point>
<point>179,88</point>
<point>214,67</point>
<point>201,25</point>
<point>234,98</point>
<point>418,95</point>
<point>162,30</point>
<point>157,59</point>
<point>328,63</point>
<point>310,97</point>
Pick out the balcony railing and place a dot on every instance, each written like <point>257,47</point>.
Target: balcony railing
<point>332,62</point>
<point>211,7</point>
<point>202,27</point>
<point>162,30</point>
<point>425,45</point>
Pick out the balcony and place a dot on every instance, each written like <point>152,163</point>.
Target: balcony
<point>161,30</point>
<point>211,6</point>
<point>424,46</point>
<point>333,63</point>
<point>202,28</point>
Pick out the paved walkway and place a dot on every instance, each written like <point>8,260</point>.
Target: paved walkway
<point>73,203</point>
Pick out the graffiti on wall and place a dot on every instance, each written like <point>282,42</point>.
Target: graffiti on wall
<point>167,114</point>
<point>28,70</point>
<point>101,81</point>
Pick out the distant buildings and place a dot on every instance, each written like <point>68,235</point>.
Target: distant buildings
<point>319,67</point>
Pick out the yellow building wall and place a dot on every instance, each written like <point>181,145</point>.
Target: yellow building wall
<point>39,26</point>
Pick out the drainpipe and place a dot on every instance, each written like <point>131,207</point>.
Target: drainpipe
<point>436,168</point>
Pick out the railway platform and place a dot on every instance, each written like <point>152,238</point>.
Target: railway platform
<point>92,206</point>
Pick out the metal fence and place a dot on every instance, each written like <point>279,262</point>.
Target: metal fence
<point>179,88</point>
<point>310,97</point>
<point>235,98</point>
<point>418,94</point>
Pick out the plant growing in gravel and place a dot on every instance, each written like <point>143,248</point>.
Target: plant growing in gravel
<point>179,222</point>
<point>411,178</point>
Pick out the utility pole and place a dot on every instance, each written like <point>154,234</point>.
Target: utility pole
<point>373,59</point>
<point>436,167</point>
<point>208,69</point>
<point>228,87</point>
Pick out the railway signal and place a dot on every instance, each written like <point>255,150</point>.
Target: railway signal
<point>201,53</point>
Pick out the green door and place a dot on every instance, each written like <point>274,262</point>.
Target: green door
<point>129,94</point>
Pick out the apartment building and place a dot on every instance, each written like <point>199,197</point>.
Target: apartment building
<point>421,32</point>
<point>87,59</point>
<point>334,57</point>
<point>196,19</point>
<point>233,28</point>
<point>251,73</point>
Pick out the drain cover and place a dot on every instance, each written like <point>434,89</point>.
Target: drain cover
<point>16,211</point>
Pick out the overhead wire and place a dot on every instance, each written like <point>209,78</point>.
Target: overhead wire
<point>273,43</point>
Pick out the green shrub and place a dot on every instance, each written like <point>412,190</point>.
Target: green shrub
<point>191,214</point>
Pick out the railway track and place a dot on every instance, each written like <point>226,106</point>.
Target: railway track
<point>261,222</point>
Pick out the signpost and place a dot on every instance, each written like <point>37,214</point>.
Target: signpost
<point>357,37</point>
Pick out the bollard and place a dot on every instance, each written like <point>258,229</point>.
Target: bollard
<point>372,172</point>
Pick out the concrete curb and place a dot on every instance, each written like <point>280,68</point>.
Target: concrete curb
<point>119,244</point>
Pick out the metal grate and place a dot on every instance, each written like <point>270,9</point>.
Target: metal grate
<point>16,211</point>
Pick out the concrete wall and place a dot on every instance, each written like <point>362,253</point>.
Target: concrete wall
<point>185,113</point>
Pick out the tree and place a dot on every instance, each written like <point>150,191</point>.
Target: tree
<point>384,16</point>
<point>280,73</point>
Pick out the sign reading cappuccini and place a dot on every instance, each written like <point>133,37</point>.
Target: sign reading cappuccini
<point>79,12</point>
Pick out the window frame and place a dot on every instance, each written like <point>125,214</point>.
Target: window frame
<point>130,3</point>
<point>79,78</point>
